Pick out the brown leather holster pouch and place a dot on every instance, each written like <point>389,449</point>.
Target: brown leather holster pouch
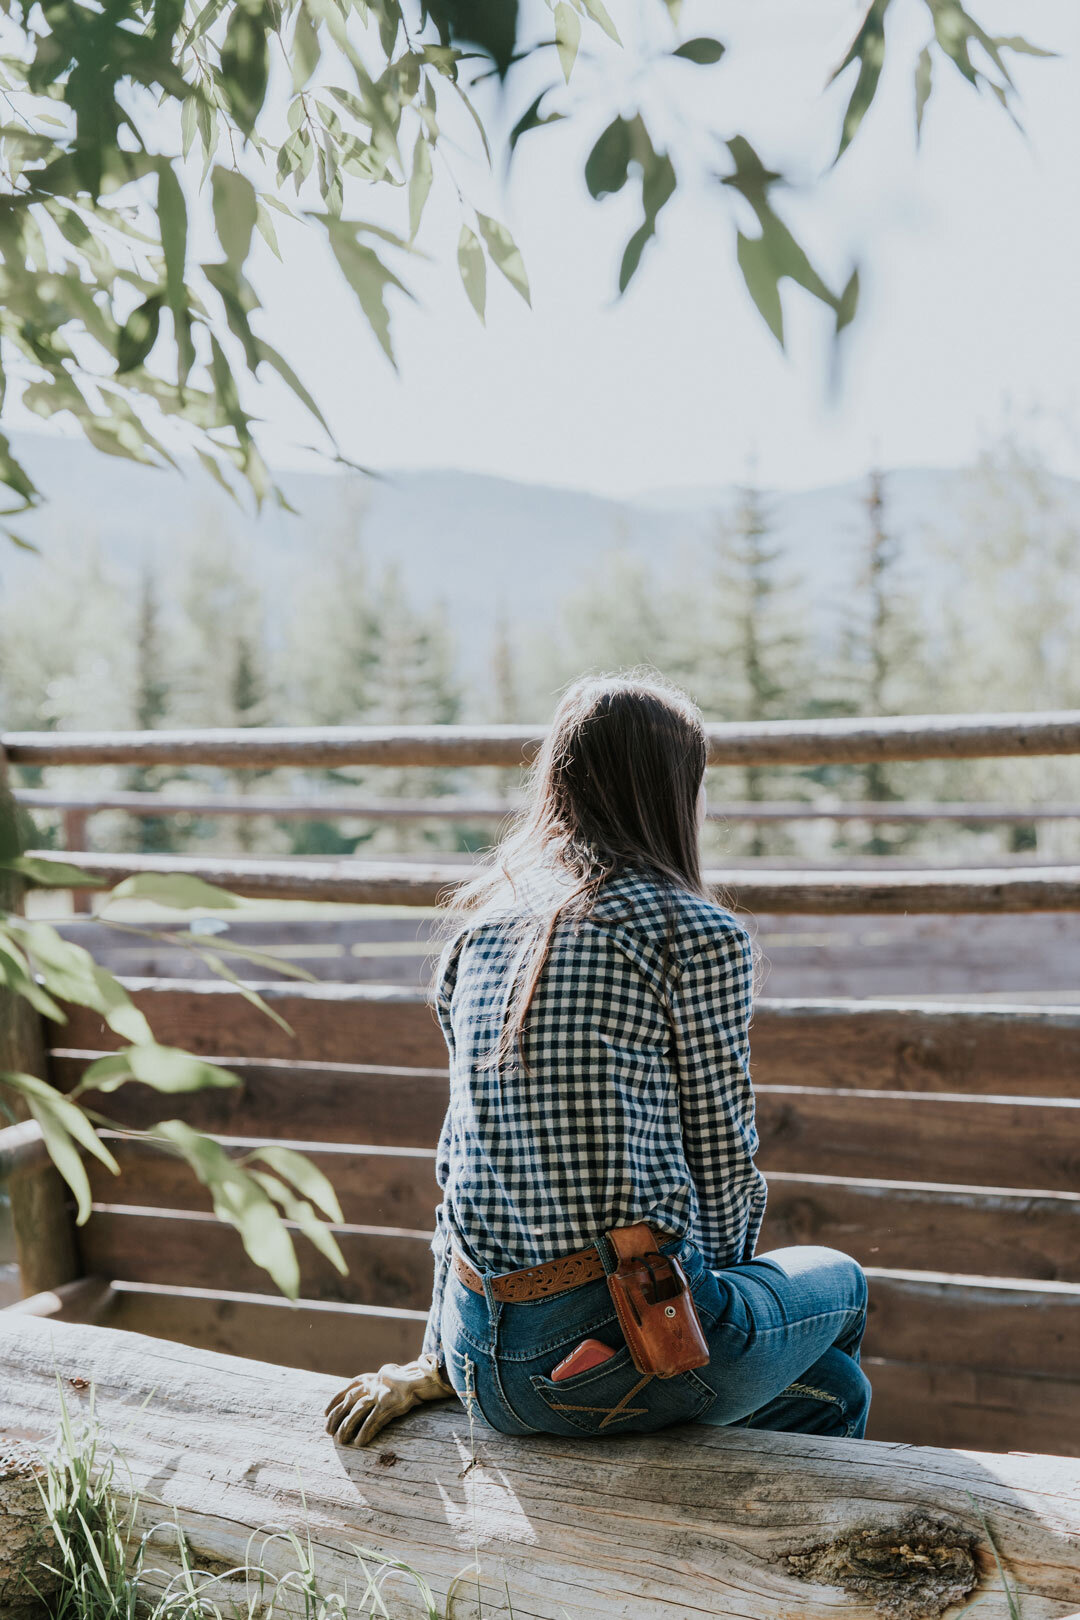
<point>654,1304</point>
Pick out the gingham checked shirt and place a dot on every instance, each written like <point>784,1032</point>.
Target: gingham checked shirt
<point>629,1113</point>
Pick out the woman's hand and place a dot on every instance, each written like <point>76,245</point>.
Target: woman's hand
<point>357,1413</point>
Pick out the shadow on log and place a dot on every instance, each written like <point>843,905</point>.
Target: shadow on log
<point>694,1522</point>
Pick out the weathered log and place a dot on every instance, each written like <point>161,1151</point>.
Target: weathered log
<point>810,893</point>
<point>763,742</point>
<point>694,1522</point>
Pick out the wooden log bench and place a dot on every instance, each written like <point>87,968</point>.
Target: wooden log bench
<point>937,1143</point>
<point>692,1522</point>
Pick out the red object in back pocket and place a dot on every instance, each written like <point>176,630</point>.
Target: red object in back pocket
<point>589,1353</point>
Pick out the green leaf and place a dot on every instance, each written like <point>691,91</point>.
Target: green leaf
<point>505,253</point>
<point>306,1177</point>
<point>531,119</point>
<point>221,968</point>
<point>657,186</point>
<point>608,164</point>
<point>598,14</point>
<point>369,278</point>
<point>762,282</point>
<point>289,377</point>
<point>868,49</point>
<point>245,62</point>
<point>300,1211</point>
<point>704,51</point>
<point>176,890</point>
<point>848,303</point>
<point>67,1159</point>
<point>172,218</point>
<point>138,334</point>
<point>924,78</point>
<point>473,269</point>
<point>165,1068</point>
<point>419,183</point>
<point>49,874</point>
<point>306,49</point>
<point>567,36</point>
<point>189,124</point>
<point>235,213</point>
<point>65,1128</point>
<point>1023,47</point>
<point>118,1010</point>
<point>241,1202</point>
<point>16,976</point>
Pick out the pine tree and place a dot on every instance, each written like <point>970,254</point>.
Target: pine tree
<point>884,650</point>
<point>507,702</point>
<point>759,662</point>
<point>149,708</point>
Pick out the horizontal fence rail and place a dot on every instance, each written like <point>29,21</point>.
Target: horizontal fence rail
<point>770,742</point>
<point>459,807</point>
<point>358,882</point>
<point>913,1137</point>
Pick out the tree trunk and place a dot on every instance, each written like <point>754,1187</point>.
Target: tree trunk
<point>690,1523</point>
<point>44,1233</point>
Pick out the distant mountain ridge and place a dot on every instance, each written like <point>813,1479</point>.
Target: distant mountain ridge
<point>484,546</point>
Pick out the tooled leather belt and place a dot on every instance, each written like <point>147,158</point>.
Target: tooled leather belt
<point>538,1282</point>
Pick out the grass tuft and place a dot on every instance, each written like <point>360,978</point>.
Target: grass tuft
<point>105,1571</point>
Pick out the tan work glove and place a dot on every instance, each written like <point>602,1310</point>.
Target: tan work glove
<point>357,1413</point>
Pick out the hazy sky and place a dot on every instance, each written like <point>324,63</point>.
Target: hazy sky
<point>968,249</point>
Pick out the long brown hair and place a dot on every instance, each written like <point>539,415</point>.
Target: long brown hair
<point>614,785</point>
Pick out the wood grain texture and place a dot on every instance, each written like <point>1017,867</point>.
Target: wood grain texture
<point>197,1251</point>
<point>375,1025</point>
<point>800,956</point>
<point>856,1045</point>
<point>473,807</point>
<point>693,1522</point>
<point>966,1322</point>
<point>911,1227</point>
<point>319,1336</point>
<point>383,1188</point>
<point>761,742</point>
<point>321,1102</point>
<point>933,1404</point>
<point>905,1136</point>
<point>906,1227</point>
<point>815,893</point>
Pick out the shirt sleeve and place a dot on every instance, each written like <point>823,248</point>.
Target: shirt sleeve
<point>440,1243</point>
<point>711,1005</point>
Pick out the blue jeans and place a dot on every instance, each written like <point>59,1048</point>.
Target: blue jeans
<point>783,1333</point>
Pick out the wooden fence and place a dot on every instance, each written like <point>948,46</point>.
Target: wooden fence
<point>938,1143</point>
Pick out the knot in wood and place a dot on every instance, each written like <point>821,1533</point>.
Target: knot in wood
<point>914,1570</point>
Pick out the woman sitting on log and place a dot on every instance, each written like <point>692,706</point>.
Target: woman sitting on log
<point>595,1269</point>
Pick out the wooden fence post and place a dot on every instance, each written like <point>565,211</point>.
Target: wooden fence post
<point>44,1232</point>
<point>76,829</point>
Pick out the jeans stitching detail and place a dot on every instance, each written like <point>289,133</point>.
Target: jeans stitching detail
<point>817,1394</point>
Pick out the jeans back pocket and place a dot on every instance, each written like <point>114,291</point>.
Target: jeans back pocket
<point>614,1396</point>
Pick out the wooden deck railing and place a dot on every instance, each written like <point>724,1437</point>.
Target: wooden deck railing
<point>937,1143</point>
<point>460,807</point>
<point>416,883</point>
<point>771,742</point>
